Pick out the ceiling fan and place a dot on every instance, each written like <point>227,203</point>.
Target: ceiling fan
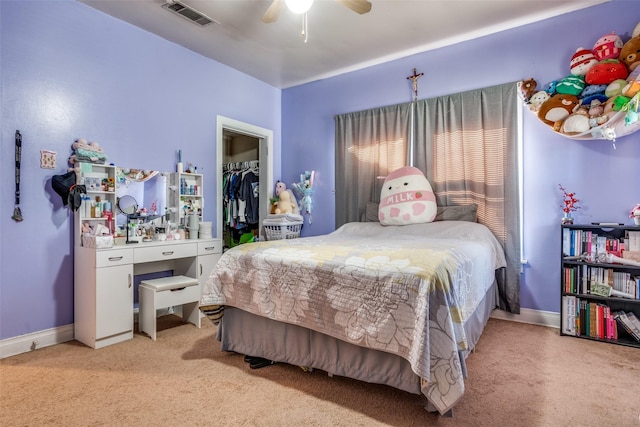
<point>302,6</point>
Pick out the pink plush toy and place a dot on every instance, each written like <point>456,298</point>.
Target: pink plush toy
<point>406,198</point>
<point>608,46</point>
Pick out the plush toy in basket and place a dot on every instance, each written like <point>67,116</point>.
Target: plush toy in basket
<point>284,202</point>
<point>282,226</point>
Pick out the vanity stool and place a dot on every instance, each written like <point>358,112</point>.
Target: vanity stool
<point>168,292</point>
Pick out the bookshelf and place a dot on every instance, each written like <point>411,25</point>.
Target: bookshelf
<point>593,256</point>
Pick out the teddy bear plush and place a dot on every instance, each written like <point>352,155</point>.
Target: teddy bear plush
<point>630,53</point>
<point>286,203</point>
<point>526,88</point>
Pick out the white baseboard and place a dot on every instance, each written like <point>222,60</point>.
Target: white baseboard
<point>527,315</point>
<point>29,342</point>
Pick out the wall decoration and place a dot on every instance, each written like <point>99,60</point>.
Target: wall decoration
<point>47,159</point>
<point>414,83</point>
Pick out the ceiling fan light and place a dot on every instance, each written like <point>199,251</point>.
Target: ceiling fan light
<point>299,6</point>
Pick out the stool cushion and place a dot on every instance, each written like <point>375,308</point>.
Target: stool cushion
<point>168,283</point>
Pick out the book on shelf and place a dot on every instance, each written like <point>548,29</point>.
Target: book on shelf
<point>569,315</point>
<point>584,278</point>
<point>634,240</point>
<point>577,242</point>
<point>566,242</point>
<point>601,246</point>
<point>632,255</point>
<point>584,318</point>
<point>634,320</point>
<point>593,320</point>
<point>628,323</point>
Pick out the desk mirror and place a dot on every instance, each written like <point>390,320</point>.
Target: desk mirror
<point>140,190</point>
<point>127,205</point>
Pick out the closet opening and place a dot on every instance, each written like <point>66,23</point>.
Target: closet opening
<point>244,180</point>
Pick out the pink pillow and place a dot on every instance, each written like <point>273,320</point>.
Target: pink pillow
<point>406,198</point>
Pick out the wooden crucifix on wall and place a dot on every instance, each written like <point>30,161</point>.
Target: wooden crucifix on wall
<point>414,78</point>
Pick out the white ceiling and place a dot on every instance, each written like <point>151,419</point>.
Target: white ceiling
<point>339,40</point>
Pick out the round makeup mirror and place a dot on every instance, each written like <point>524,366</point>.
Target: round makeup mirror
<point>127,205</point>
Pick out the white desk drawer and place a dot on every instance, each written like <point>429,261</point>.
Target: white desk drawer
<point>210,247</point>
<point>164,252</point>
<point>113,257</point>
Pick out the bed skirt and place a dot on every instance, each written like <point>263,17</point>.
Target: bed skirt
<point>249,334</point>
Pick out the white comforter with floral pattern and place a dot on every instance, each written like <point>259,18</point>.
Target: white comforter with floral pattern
<point>406,290</point>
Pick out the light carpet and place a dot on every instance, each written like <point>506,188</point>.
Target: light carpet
<point>520,375</point>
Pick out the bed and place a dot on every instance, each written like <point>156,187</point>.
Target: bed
<point>395,305</point>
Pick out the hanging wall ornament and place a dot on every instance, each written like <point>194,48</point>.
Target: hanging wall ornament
<point>414,83</point>
<point>17,213</point>
<point>304,189</point>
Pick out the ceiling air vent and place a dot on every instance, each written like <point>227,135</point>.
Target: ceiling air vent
<point>189,13</point>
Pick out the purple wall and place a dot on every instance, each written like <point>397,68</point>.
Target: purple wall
<point>605,179</point>
<point>69,71</point>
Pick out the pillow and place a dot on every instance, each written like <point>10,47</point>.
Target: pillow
<point>444,213</point>
<point>406,198</point>
<point>458,213</point>
<point>371,212</point>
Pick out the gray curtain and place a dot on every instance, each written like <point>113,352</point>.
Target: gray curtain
<point>466,144</point>
<point>369,145</point>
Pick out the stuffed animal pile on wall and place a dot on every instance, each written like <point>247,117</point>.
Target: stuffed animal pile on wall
<point>601,81</point>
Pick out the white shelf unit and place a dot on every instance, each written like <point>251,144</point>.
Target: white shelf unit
<point>100,182</point>
<point>185,196</point>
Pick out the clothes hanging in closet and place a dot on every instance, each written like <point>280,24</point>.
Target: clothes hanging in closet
<point>240,183</point>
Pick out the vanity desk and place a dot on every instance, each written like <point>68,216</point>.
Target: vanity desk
<point>103,297</point>
<point>104,276</point>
